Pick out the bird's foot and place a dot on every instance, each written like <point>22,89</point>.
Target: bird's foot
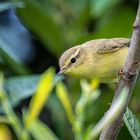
<point>126,75</point>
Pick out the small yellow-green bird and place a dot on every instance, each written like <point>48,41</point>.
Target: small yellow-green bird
<point>96,59</point>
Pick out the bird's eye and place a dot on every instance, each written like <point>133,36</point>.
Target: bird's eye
<point>73,60</point>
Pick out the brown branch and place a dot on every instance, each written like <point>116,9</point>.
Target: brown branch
<point>130,74</point>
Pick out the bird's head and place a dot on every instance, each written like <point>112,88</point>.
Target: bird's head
<point>72,60</point>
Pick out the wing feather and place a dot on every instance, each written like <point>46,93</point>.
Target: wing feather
<point>110,45</point>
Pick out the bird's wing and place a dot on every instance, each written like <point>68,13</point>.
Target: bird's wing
<point>109,45</point>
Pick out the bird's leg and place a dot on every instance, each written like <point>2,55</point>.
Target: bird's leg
<point>127,76</point>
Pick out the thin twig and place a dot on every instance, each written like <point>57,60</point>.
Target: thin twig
<point>130,74</point>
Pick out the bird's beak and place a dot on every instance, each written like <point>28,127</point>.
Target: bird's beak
<point>61,71</point>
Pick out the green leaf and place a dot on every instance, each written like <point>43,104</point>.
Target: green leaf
<point>78,27</point>
<point>117,25</point>
<point>111,115</point>
<point>40,131</point>
<point>63,96</point>
<point>100,7</point>
<point>8,5</point>
<point>9,112</point>
<point>21,87</point>
<point>43,25</point>
<point>56,109</point>
<point>8,59</point>
<point>132,124</point>
<point>5,133</point>
<point>15,46</point>
<point>43,91</point>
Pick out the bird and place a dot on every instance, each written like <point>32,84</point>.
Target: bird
<point>99,59</point>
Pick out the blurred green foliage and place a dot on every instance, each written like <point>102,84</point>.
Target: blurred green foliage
<point>33,35</point>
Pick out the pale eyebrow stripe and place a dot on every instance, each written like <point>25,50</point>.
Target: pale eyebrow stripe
<point>76,53</point>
